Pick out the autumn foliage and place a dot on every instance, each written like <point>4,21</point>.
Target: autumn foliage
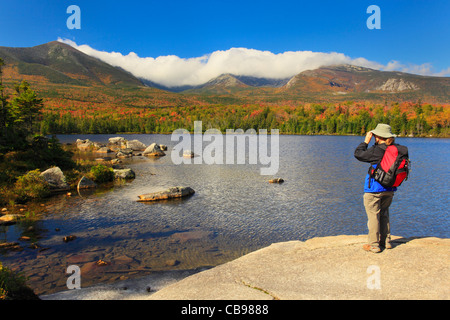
<point>406,118</point>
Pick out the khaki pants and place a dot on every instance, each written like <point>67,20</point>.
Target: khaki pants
<point>377,209</point>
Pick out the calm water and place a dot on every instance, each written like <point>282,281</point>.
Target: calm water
<point>234,210</point>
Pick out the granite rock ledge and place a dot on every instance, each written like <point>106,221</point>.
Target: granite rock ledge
<point>334,267</point>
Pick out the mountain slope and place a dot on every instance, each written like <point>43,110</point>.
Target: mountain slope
<point>57,62</point>
<point>364,82</point>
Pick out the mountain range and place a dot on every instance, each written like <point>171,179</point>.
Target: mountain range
<point>57,65</point>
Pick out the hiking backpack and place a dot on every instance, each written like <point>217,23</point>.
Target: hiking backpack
<point>393,168</point>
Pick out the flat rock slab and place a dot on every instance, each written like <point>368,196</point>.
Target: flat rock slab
<point>325,268</point>
<point>171,193</point>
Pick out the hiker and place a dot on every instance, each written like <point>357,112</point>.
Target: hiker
<point>377,198</point>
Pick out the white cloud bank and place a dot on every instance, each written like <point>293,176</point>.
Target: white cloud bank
<point>172,71</point>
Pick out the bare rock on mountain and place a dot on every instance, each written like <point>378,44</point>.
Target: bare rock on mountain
<point>397,85</point>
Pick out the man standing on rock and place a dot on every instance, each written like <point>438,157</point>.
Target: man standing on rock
<point>377,198</point>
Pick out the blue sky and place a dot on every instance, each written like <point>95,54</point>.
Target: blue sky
<point>413,33</point>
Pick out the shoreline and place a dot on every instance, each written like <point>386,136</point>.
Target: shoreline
<point>131,289</point>
<point>333,267</point>
<point>281,134</point>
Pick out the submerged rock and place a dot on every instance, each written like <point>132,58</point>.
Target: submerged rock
<point>103,159</point>
<point>185,236</point>
<point>13,246</point>
<point>173,192</point>
<point>69,238</point>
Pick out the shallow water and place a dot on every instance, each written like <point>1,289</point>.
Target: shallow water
<point>234,211</point>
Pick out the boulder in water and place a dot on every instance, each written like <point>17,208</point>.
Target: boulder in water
<point>124,173</point>
<point>173,192</point>
<point>154,150</point>
<point>136,145</point>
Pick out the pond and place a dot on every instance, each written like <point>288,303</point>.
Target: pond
<point>234,210</point>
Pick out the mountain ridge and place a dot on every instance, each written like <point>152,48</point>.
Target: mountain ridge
<point>61,63</point>
<point>63,66</point>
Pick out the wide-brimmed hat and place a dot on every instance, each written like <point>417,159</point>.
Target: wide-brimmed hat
<point>383,130</point>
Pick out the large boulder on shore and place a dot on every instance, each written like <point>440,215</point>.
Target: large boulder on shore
<point>173,192</point>
<point>154,150</point>
<point>55,179</point>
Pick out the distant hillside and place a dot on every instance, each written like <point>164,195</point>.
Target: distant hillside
<point>57,62</point>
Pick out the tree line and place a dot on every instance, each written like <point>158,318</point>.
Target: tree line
<point>414,120</point>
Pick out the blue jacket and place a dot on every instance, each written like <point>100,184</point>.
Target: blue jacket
<point>372,155</point>
<point>374,185</point>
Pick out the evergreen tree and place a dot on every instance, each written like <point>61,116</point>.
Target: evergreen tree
<point>18,115</point>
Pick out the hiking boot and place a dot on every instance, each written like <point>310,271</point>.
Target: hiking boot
<point>371,248</point>
<point>386,245</point>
